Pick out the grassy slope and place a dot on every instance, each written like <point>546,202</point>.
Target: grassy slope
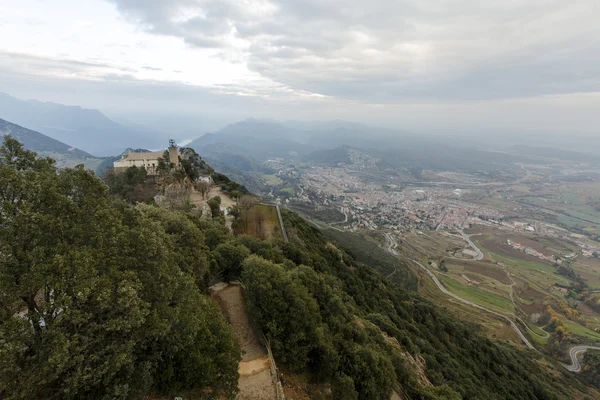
<point>582,331</point>
<point>479,296</point>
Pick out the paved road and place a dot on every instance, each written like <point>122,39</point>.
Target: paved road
<point>391,244</point>
<point>390,248</point>
<point>445,291</point>
<point>574,352</point>
<point>575,366</point>
<point>341,222</point>
<point>546,335</point>
<point>468,239</point>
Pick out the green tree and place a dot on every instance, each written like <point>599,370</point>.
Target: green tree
<point>134,175</point>
<point>94,300</point>
<point>343,388</point>
<point>230,258</point>
<point>236,194</point>
<point>187,239</point>
<point>590,371</point>
<point>215,206</point>
<point>190,171</point>
<point>122,184</point>
<point>283,308</point>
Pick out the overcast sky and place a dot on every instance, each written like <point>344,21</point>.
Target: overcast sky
<point>494,65</point>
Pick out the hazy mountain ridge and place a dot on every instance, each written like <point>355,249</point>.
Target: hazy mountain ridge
<point>87,129</point>
<point>65,155</point>
<point>259,140</point>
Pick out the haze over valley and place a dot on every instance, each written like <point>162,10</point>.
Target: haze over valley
<point>303,200</point>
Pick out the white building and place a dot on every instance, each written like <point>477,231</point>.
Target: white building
<point>205,178</point>
<point>146,159</point>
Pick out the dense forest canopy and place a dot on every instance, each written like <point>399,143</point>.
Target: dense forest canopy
<point>100,299</point>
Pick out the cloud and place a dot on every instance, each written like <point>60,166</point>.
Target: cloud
<point>29,66</point>
<point>36,65</point>
<point>199,109</point>
<point>394,50</point>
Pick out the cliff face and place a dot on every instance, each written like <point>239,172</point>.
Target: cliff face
<point>189,154</point>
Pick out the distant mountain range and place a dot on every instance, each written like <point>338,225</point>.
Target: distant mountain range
<point>86,129</point>
<point>257,139</point>
<point>65,155</point>
<point>327,142</point>
<point>263,139</point>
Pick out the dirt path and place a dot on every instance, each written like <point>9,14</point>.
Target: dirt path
<point>226,201</point>
<point>197,199</point>
<point>255,382</point>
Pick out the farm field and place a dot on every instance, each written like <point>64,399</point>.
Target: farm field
<point>580,330</point>
<point>536,280</point>
<point>589,269</point>
<point>539,337</point>
<point>485,270</point>
<point>506,270</point>
<point>479,296</point>
<point>434,245</point>
<point>271,180</point>
<point>491,325</point>
<point>521,264</point>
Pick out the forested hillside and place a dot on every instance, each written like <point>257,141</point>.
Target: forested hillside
<point>101,299</point>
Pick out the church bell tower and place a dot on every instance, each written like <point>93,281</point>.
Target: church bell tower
<point>173,153</point>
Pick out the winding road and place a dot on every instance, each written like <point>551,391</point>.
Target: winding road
<point>479,256</point>
<point>390,248</point>
<point>340,222</point>
<point>470,303</point>
<point>574,352</point>
<point>511,293</point>
<point>575,366</point>
<point>392,245</point>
